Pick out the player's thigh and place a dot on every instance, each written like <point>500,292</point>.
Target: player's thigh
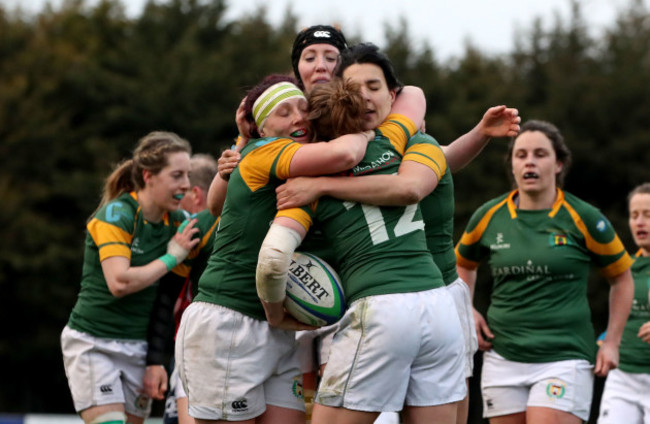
<point>625,398</point>
<point>105,371</point>
<point>539,414</point>
<point>371,356</point>
<point>565,386</point>
<point>327,415</point>
<point>225,358</point>
<point>437,375</point>
<point>505,387</point>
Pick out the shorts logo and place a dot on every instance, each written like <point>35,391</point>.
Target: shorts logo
<point>142,402</point>
<point>489,404</point>
<point>106,388</point>
<point>322,34</point>
<point>556,389</point>
<point>240,405</point>
<point>297,388</point>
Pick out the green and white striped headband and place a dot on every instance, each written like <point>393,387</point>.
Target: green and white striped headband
<point>271,98</point>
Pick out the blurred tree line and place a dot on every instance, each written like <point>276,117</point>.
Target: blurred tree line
<point>79,85</point>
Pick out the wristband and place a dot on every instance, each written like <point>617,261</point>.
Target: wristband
<point>169,260</point>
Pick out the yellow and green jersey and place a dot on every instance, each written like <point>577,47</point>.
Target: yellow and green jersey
<point>438,207</point>
<point>379,250</point>
<point>540,262</point>
<point>119,229</point>
<point>634,352</point>
<point>249,209</point>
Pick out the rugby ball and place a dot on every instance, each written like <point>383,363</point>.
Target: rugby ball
<point>314,291</point>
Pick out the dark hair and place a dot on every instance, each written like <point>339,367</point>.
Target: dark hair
<point>317,34</point>
<point>640,189</point>
<point>336,108</point>
<point>257,91</point>
<point>369,53</point>
<point>562,152</point>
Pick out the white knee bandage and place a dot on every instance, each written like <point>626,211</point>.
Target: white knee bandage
<point>113,417</point>
<point>273,262</point>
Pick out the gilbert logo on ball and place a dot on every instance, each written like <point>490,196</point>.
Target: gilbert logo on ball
<point>314,291</point>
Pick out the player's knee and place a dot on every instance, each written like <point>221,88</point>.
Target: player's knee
<point>112,417</point>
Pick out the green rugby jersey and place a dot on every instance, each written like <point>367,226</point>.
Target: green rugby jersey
<point>119,229</point>
<point>229,278</point>
<point>438,207</point>
<point>380,250</point>
<point>634,352</point>
<point>540,262</point>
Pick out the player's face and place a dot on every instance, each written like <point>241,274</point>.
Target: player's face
<point>289,119</point>
<point>316,64</point>
<point>640,221</point>
<point>534,163</point>
<point>379,99</point>
<point>168,187</point>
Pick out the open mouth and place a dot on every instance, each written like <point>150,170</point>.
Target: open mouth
<point>299,133</point>
<point>179,196</point>
<point>641,234</point>
<point>531,176</point>
<point>320,81</point>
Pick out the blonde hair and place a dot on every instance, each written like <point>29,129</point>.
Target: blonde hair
<point>203,168</point>
<point>151,154</point>
<point>336,108</point>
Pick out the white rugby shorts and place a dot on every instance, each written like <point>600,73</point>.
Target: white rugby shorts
<point>509,387</point>
<point>459,291</point>
<point>393,350</point>
<point>104,371</point>
<point>232,365</point>
<point>626,398</point>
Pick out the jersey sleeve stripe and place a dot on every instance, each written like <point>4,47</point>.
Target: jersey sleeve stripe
<point>618,267</point>
<point>297,214</point>
<point>614,247</point>
<point>109,239</point>
<point>429,155</point>
<point>476,234</point>
<point>464,262</point>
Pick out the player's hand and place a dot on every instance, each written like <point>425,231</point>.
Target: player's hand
<point>278,317</point>
<point>243,126</point>
<point>155,381</point>
<point>227,163</point>
<point>644,332</point>
<point>483,333</point>
<point>606,358</point>
<point>185,234</point>
<point>296,192</point>
<point>500,121</point>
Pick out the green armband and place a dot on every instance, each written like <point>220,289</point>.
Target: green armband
<point>168,260</point>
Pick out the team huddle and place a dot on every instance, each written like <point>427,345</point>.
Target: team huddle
<point>335,163</point>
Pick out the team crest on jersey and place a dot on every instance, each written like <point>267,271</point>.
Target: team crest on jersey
<point>601,225</point>
<point>297,388</point>
<point>556,239</point>
<point>555,389</point>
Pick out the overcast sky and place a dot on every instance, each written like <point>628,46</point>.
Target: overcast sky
<point>446,25</point>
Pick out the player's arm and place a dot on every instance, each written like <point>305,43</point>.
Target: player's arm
<point>282,239</point>
<point>483,332</point>
<point>411,184</point>
<point>411,103</point>
<point>498,121</point>
<point>621,294</point>
<point>123,279</point>
<point>337,155</point>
